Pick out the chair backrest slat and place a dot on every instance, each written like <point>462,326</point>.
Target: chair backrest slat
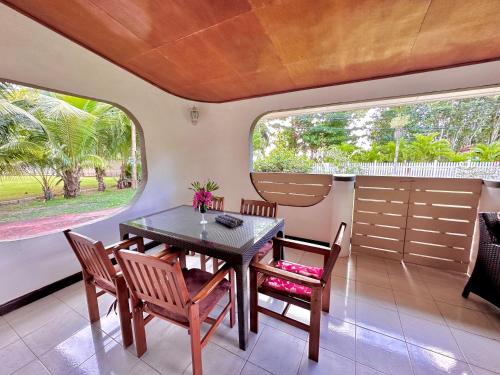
<point>217,204</point>
<point>154,280</point>
<point>334,253</point>
<point>92,257</point>
<point>258,208</point>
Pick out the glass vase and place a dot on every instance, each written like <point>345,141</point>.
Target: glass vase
<point>203,209</point>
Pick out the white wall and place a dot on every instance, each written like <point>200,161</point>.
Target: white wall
<point>176,151</point>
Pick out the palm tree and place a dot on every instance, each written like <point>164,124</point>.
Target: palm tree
<point>398,123</point>
<point>425,148</point>
<point>68,136</point>
<point>486,152</point>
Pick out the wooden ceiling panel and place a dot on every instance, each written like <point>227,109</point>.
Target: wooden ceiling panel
<point>162,21</point>
<point>458,31</point>
<point>243,43</point>
<point>89,26</point>
<point>221,50</point>
<point>197,58</point>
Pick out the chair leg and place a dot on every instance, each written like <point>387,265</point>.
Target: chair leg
<point>194,330</point>
<point>254,300</point>
<point>92,304</point>
<point>203,262</point>
<point>215,265</point>
<point>139,331</point>
<point>314,325</point>
<point>232,310</point>
<point>466,291</point>
<point>325,299</point>
<point>124,311</point>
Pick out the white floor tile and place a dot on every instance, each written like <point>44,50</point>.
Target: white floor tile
<point>378,319</point>
<point>481,371</point>
<point>470,320</point>
<point>346,287</point>
<point>338,336</point>
<point>113,359</point>
<point>71,353</point>
<point>218,361</point>
<point>478,350</point>
<point>176,342</point>
<point>227,338</point>
<point>373,277</point>
<point>53,333</point>
<point>251,369</point>
<point>277,352</point>
<point>426,362</point>
<point>141,368</point>
<point>329,364</point>
<point>419,307</point>
<point>35,315</point>
<point>375,295</point>
<point>431,336</point>
<point>7,334</point>
<point>343,307</point>
<point>365,370</point>
<point>382,353</point>
<point>14,356</point>
<point>33,368</point>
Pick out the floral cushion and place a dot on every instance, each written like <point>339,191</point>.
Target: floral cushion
<point>301,269</point>
<point>264,250</point>
<point>287,287</point>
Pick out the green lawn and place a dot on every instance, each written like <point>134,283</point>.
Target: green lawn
<point>26,186</point>
<point>89,202</point>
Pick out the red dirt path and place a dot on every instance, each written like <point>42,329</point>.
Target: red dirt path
<point>44,225</point>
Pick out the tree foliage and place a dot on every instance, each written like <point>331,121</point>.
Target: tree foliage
<point>450,130</point>
<point>52,137</point>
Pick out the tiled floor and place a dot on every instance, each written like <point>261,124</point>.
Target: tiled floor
<point>385,318</point>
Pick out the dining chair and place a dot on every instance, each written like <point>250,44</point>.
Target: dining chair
<point>217,204</point>
<point>99,272</point>
<point>159,287</point>
<point>296,284</point>
<point>264,209</point>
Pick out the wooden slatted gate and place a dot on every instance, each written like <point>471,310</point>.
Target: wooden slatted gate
<point>428,221</point>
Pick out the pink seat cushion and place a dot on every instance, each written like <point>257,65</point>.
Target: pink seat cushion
<point>195,279</point>
<point>264,250</point>
<point>281,286</point>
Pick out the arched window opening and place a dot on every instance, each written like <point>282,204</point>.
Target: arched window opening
<point>64,161</point>
<point>441,135</point>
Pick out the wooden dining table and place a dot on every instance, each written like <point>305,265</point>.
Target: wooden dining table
<point>180,227</point>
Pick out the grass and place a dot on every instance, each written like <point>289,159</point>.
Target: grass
<point>18,187</point>
<point>89,202</point>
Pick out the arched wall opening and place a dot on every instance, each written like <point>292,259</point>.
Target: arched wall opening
<point>65,160</point>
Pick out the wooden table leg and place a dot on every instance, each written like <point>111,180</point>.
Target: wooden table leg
<point>242,302</point>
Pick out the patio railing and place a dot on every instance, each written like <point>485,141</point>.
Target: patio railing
<point>484,170</point>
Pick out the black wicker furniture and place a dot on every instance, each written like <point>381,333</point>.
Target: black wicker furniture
<point>485,279</point>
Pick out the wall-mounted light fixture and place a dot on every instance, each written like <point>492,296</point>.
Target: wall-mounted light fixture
<point>195,115</point>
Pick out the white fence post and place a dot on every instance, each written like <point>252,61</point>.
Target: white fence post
<point>485,170</point>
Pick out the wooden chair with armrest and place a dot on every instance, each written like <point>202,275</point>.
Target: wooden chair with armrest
<point>99,272</point>
<point>264,209</point>
<point>304,286</point>
<point>217,204</point>
<point>159,287</point>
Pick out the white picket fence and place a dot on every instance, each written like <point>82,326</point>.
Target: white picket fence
<point>485,170</point>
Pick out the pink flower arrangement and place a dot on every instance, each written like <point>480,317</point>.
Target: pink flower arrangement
<point>202,198</point>
<point>203,194</point>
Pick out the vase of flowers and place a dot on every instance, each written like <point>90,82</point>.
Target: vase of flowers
<point>203,196</point>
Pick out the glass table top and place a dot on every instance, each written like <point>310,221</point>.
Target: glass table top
<point>183,222</point>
